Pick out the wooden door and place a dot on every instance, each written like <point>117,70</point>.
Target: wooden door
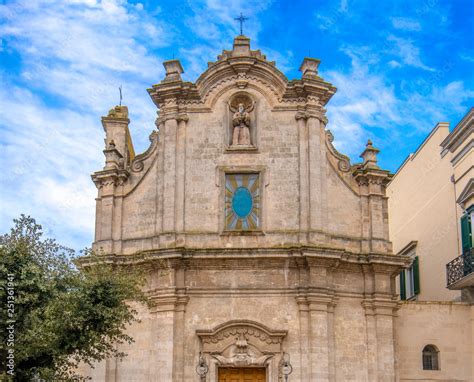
<point>247,374</point>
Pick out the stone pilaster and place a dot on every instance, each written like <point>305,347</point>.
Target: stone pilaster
<point>315,176</point>
<point>182,119</point>
<point>321,309</point>
<point>169,186</point>
<point>109,182</point>
<point>372,186</point>
<point>304,213</point>
<point>303,312</point>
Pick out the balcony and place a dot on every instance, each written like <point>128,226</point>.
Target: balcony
<point>460,271</point>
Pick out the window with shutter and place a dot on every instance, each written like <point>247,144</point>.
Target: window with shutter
<point>466,233</point>
<point>416,276</point>
<point>403,295</point>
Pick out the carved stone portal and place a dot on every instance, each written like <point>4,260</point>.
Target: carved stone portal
<point>242,344</point>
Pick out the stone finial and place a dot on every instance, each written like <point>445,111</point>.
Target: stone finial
<point>241,46</point>
<point>309,67</point>
<point>173,70</point>
<point>118,112</point>
<point>113,157</point>
<point>369,155</point>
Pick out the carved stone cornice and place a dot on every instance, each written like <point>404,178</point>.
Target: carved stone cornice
<point>380,306</point>
<point>108,177</point>
<point>168,301</point>
<point>368,177</point>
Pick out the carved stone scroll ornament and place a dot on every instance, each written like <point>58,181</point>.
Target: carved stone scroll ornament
<point>239,344</point>
<point>137,163</point>
<point>343,161</point>
<point>241,354</point>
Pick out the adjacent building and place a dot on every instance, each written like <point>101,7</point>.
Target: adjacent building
<point>430,207</point>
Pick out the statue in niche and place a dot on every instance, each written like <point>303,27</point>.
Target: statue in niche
<point>241,121</point>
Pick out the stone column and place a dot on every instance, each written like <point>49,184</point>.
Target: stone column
<point>304,212</point>
<point>181,301</point>
<point>380,309</point>
<point>182,120</point>
<point>169,175</point>
<point>315,176</point>
<point>304,338</point>
<point>320,308</point>
<point>371,336</point>
<point>159,178</point>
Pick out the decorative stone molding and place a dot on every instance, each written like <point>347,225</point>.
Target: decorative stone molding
<point>241,343</point>
<point>182,117</point>
<point>302,115</point>
<point>343,161</point>
<point>115,177</point>
<point>138,162</point>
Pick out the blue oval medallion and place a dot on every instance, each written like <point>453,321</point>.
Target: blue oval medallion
<point>242,202</point>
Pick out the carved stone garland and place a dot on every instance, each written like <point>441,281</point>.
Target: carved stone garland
<point>241,344</point>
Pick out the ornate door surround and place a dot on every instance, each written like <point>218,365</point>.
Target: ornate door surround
<point>242,344</point>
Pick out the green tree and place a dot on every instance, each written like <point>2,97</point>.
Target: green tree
<point>55,315</point>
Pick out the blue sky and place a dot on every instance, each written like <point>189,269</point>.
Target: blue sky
<point>399,66</point>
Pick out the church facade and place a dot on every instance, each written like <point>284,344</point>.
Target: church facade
<point>267,252</point>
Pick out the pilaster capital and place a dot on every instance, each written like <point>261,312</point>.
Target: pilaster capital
<point>304,115</point>
<point>110,178</point>
<point>182,117</point>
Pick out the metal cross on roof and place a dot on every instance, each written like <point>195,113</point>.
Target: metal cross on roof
<point>241,19</point>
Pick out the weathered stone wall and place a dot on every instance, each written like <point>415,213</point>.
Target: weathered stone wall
<point>316,281</point>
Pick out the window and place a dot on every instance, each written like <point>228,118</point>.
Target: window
<point>242,202</point>
<point>466,231</point>
<point>430,358</point>
<point>410,281</point>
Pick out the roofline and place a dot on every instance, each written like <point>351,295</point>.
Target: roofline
<point>411,156</point>
<point>449,141</point>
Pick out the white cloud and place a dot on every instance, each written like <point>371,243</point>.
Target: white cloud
<point>214,21</point>
<point>50,153</point>
<point>406,24</point>
<point>74,56</point>
<point>408,52</point>
<point>367,105</point>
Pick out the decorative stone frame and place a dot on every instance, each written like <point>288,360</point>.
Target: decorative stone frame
<point>242,343</point>
<point>254,136</point>
<point>221,172</point>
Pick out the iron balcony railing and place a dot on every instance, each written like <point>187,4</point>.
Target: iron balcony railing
<point>460,267</point>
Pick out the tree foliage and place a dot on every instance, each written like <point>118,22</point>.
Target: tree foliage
<point>62,315</point>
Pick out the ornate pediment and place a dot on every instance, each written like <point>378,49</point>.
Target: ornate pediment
<point>241,67</point>
<point>241,343</point>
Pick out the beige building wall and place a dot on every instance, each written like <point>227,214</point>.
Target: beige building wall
<point>422,208</point>
<point>447,325</point>
<point>459,147</point>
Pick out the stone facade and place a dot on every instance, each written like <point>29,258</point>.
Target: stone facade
<point>311,282</point>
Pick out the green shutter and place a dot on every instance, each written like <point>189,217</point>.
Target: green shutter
<point>403,293</point>
<point>466,234</point>
<point>416,276</point>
